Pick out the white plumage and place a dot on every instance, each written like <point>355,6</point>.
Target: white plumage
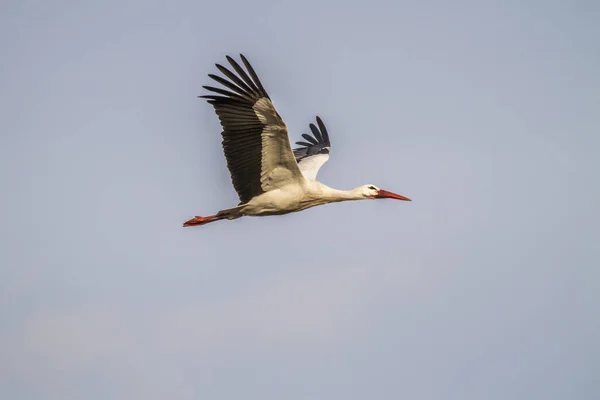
<point>310,166</point>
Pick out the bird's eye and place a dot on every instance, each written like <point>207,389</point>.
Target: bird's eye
<point>372,188</point>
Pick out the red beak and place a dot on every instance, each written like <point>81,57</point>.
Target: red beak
<point>384,194</point>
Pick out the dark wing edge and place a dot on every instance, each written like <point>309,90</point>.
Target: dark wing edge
<point>242,143</point>
<point>319,143</point>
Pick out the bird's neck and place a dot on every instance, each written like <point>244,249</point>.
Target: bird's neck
<point>334,195</point>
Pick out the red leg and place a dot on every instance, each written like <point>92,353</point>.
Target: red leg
<point>197,220</point>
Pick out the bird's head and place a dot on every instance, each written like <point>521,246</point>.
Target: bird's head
<point>373,192</point>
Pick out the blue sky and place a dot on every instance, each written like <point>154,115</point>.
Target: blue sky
<point>485,286</point>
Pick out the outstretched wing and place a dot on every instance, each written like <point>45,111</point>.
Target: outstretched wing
<point>314,152</point>
<point>255,140</point>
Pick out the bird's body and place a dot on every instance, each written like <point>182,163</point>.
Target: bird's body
<point>269,177</point>
<point>297,197</point>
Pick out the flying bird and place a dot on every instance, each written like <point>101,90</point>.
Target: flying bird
<point>269,177</point>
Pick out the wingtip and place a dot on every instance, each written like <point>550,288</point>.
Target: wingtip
<point>323,130</point>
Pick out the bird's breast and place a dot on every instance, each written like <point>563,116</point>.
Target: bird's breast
<point>279,201</point>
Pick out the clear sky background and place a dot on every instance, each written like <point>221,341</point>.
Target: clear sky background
<point>486,286</point>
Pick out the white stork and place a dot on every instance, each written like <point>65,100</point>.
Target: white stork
<point>269,177</point>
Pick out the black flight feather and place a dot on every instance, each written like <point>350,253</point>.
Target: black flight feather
<point>319,144</point>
